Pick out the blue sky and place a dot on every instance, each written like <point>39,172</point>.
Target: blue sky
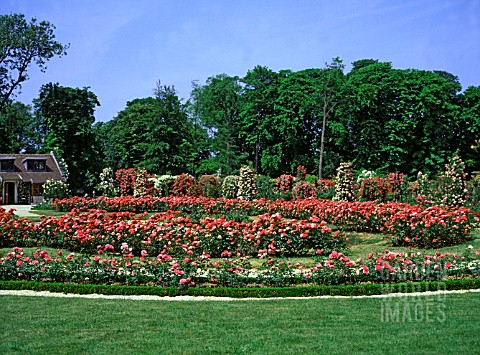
<point>121,48</point>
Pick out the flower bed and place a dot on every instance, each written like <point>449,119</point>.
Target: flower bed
<point>170,248</point>
<point>169,233</point>
<point>417,225</point>
<point>335,269</point>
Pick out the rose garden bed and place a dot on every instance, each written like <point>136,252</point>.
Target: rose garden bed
<point>191,242</point>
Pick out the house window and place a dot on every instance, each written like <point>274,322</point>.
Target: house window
<point>36,165</point>
<point>37,189</point>
<point>7,165</point>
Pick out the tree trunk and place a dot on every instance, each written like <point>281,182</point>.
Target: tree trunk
<point>257,143</point>
<point>320,162</point>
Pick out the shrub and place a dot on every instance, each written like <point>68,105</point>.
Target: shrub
<point>107,183</point>
<point>230,186</point>
<point>303,189</point>
<point>365,174</point>
<point>53,189</point>
<point>325,188</point>
<point>431,227</point>
<point>23,192</point>
<point>372,189</point>
<point>301,172</point>
<point>247,189</point>
<point>163,184</point>
<point>208,186</point>
<point>265,187</point>
<point>453,183</point>
<point>126,180</point>
<point>183,185</point>
<point>398,185</point>
<point>141,183</point>
<point>344,185</point>
<point>423,188</point>
<point>284,183</point>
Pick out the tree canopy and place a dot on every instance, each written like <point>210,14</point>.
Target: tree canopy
<point>21,44</point>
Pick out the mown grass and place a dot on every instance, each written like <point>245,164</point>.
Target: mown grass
<point>311,326</point>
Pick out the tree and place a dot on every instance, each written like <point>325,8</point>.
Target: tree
<point>198,132</point>
<point>67,115</point>
<point>259,96</point>
<point>151,133</point>
<point>15,123</point>
<point>399,120</point>
<point>293,128</point>
<point>469,137</point>
<point>21,44</point>
<point>220,103</point>
<point>333,81</point>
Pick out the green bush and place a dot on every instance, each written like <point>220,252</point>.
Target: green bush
<point>53,189</point>
<point>230,186</point>
<point>265,187</point>
<point>209,186</point>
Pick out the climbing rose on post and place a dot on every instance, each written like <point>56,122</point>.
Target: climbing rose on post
<point>344,184</point>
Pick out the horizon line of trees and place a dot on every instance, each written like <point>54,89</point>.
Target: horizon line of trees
<point>375,116</point>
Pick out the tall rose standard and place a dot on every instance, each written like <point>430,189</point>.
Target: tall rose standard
<point>344,184</point>
<point>53,189</point>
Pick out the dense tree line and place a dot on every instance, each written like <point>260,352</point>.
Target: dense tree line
<point>375,116</point>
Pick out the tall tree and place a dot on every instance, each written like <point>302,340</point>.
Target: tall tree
<point>199,143</point>
<point>15,128</point>
<point>293,128</point>
<point>21,44</point>
<point>220,103</point>
<point>330,95</point>
<point>469,137</point>
<point>259,93</point>
<point>152,133</point>
<point>67,115</point>
<point>402,120</point>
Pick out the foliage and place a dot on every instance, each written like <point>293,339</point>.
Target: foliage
<point>152,133</point>
<point>303,189</point>
<point>53,189</point>
<point>219,103</point>
<point>22,44</point>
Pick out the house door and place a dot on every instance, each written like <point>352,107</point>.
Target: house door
<point>9,193</point>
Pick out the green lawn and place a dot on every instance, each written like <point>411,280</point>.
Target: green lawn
<point>434,324</point>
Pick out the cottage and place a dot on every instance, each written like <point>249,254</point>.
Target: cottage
<point>22,176</point>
